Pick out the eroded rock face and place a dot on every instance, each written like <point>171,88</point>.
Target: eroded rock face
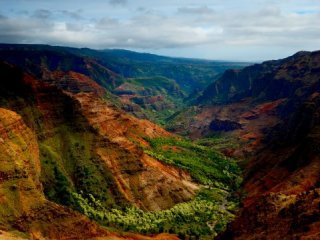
<point>57,109</point>
<point>20,186</point>
<point>143,180</point>
<point>278,106</point>
<point>73,102</point>
<point>24,207</point>
<point>140,179</point>
<point>282,176</point>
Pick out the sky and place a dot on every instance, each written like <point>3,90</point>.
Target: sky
<point>243,30</point>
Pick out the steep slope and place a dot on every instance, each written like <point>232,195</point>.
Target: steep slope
<point>25,212</point>
<point>24,209</point>
<point>142,180</point>
<point>271,112</point>
<point>91,152</point>
<point>76,116</point>
<point>267,81</point>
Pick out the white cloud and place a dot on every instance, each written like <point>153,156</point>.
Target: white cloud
<point>287,25</point>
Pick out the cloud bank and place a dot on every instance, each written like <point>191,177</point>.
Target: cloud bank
<point>268,28</point>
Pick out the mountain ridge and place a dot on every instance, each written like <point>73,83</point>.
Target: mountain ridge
<point>113,68</point>
<point>270,112</point>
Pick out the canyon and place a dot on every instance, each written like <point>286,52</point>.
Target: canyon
<point>79,146</point>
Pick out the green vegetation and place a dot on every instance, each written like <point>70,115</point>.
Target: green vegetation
<point>72,173</point>
<point>157,116</point>
<point>201,218</point>
<point>112,99</point>
<point>188,73</point>
<point>181,119</point>
<point>72,176</point>
<point>69,165</point>
<point>206,166</point>
<point>158,97</point>
<point>218,143</point>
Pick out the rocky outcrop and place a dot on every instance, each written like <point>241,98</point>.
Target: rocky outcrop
<point>23,206</point>
<point>20,166</point>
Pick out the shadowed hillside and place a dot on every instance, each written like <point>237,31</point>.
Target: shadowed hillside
<point>270,114</point>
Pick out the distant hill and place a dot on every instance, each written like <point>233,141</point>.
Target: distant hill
<point>188,73</point>
<point>112,68</point>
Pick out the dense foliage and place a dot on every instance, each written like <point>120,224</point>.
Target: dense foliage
<point>205,165</point>
<point>72,167</point>
<point>202,218</point>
